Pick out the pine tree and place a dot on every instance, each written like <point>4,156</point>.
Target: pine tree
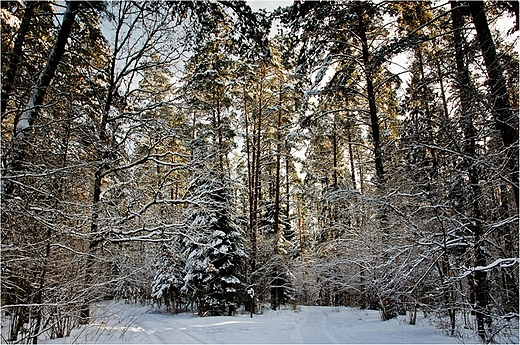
<point>506,122</point>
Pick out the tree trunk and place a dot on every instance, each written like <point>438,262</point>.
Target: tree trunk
<point>428,112</point>
<point>277,290</point>
<point>102,156</point>
<point>16,55</point>
<point>509,241</point>
<point>374,119</point>
<point>506,121</point>
<point>257,132</point>
<point>28,116</point>
<point>287,193</point>
<point>45,259</point>
<point>351,157</point>
<point>334,157</point>
<point>463,84</point>
<point>219,136</point>
<point>277,175</point>
<point>250,174</point>
<point>387,303</point>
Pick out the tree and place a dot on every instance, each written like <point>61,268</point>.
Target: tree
<point>506,122</point>
<point>213,249</point>
<point>169,277</point>
<point>28,116</point>
<point>125,110</point>
<point>469,132</point>
<point>16,54</point>
<point>338,54</point>
<point>183,155</point>
<point>38,158</point>
<point>447,148</point>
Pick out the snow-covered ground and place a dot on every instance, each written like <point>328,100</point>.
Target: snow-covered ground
<point>119,323</point>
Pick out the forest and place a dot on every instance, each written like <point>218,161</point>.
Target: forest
<point>204,157</point>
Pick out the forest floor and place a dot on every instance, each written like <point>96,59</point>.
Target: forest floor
<point>126,323</point>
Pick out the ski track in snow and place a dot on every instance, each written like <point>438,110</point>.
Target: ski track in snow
<point>117,323</point>
<point>316,318</point>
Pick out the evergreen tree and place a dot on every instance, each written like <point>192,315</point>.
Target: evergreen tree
<point>169,277</point>
<point>213,246</point>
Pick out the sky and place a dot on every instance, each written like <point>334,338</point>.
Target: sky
<point>268,5</point>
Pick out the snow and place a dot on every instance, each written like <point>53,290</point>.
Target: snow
<point>124,323</point>
<point>23,122</point>
<point>10,20</point>
<point>499,262</point>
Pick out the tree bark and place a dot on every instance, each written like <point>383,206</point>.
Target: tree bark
<point>249,163</point>
<point>16,55</point>
<point>47,253</point>
<point>29,115</point>
<point>277,289</point>
<point>374,119</point>
<point>463,84</point>
<point>387,304</point>
<point>277,175</point>
<point>351,157</point>
<point>257,150</point>
<point>101,166</point>
<point>506,122</point>
<point>334,156</point>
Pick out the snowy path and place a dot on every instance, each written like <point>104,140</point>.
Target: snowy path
<point>119,323</point>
